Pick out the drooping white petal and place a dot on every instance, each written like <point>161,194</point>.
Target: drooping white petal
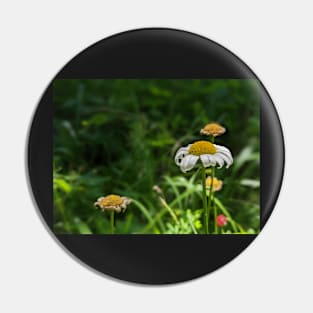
<point>228,159</point>
<point>207,160</point>
<point>180,154</point>
<point>228,164</point>
<point>224,157</point>
<point>228,155</point>
<point>188,162</point>
<point>225,154</point>
<point>218,160</point>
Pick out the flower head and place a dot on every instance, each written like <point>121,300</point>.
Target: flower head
<point>217,184</point>
<point>209,154</point>
<point>113,202</point>
<point>213,129</point>
<point>221,220</point>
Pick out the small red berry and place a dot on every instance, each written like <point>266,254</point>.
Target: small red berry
<point>221,220</point>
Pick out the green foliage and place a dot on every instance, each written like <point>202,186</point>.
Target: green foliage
<point>120,136</point>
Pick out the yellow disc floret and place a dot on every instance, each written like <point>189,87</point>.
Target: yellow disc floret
<point>111,201</point>
<point>202,147</point>
<point>213,129</point>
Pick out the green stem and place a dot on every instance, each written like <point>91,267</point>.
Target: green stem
<point>112,221</point>
<point>204,200</point>
<point>211,196</point>
<point>215,214</point>
<point>170,210</point>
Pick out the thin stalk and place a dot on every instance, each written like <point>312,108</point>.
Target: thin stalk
<point>170,210</point>
<point>215,214</point>
<point>191,181</point>
<point>204,200</point>
<point>112,221</point>
<point>211,197</point>
<point>208,210</point>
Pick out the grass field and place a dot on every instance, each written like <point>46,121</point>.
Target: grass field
<point>120,137</point>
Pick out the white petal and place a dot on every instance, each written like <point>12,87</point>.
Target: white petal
<point>207,160</point>
<point>180,154</point>
<point>218,160</point>
<point>213,159</point>
<point>228,159</point>
<point>188,162</point>
<point>225,154</point>
<point>228,154</point>
<point>183,149</point>
<point>223,157</point>
<point>228,164</point>
<point>221,148</point>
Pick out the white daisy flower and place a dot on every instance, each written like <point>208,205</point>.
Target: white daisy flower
<point>208,153</point>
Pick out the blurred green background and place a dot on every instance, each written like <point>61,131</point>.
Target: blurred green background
<point>120,136</point>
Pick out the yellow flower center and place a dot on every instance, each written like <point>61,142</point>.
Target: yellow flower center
<point>202,147</point>
<point>213,129</point>
<point>111,200</point>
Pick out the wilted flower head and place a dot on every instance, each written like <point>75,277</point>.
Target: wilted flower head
<point>157,189</point>
<point>221,220</point>
<point>217,184</point>
<point>113,202</point>
<point>209,154</point>
<point>213,129</point>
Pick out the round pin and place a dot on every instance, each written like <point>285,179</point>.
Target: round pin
<point>155,156</point>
